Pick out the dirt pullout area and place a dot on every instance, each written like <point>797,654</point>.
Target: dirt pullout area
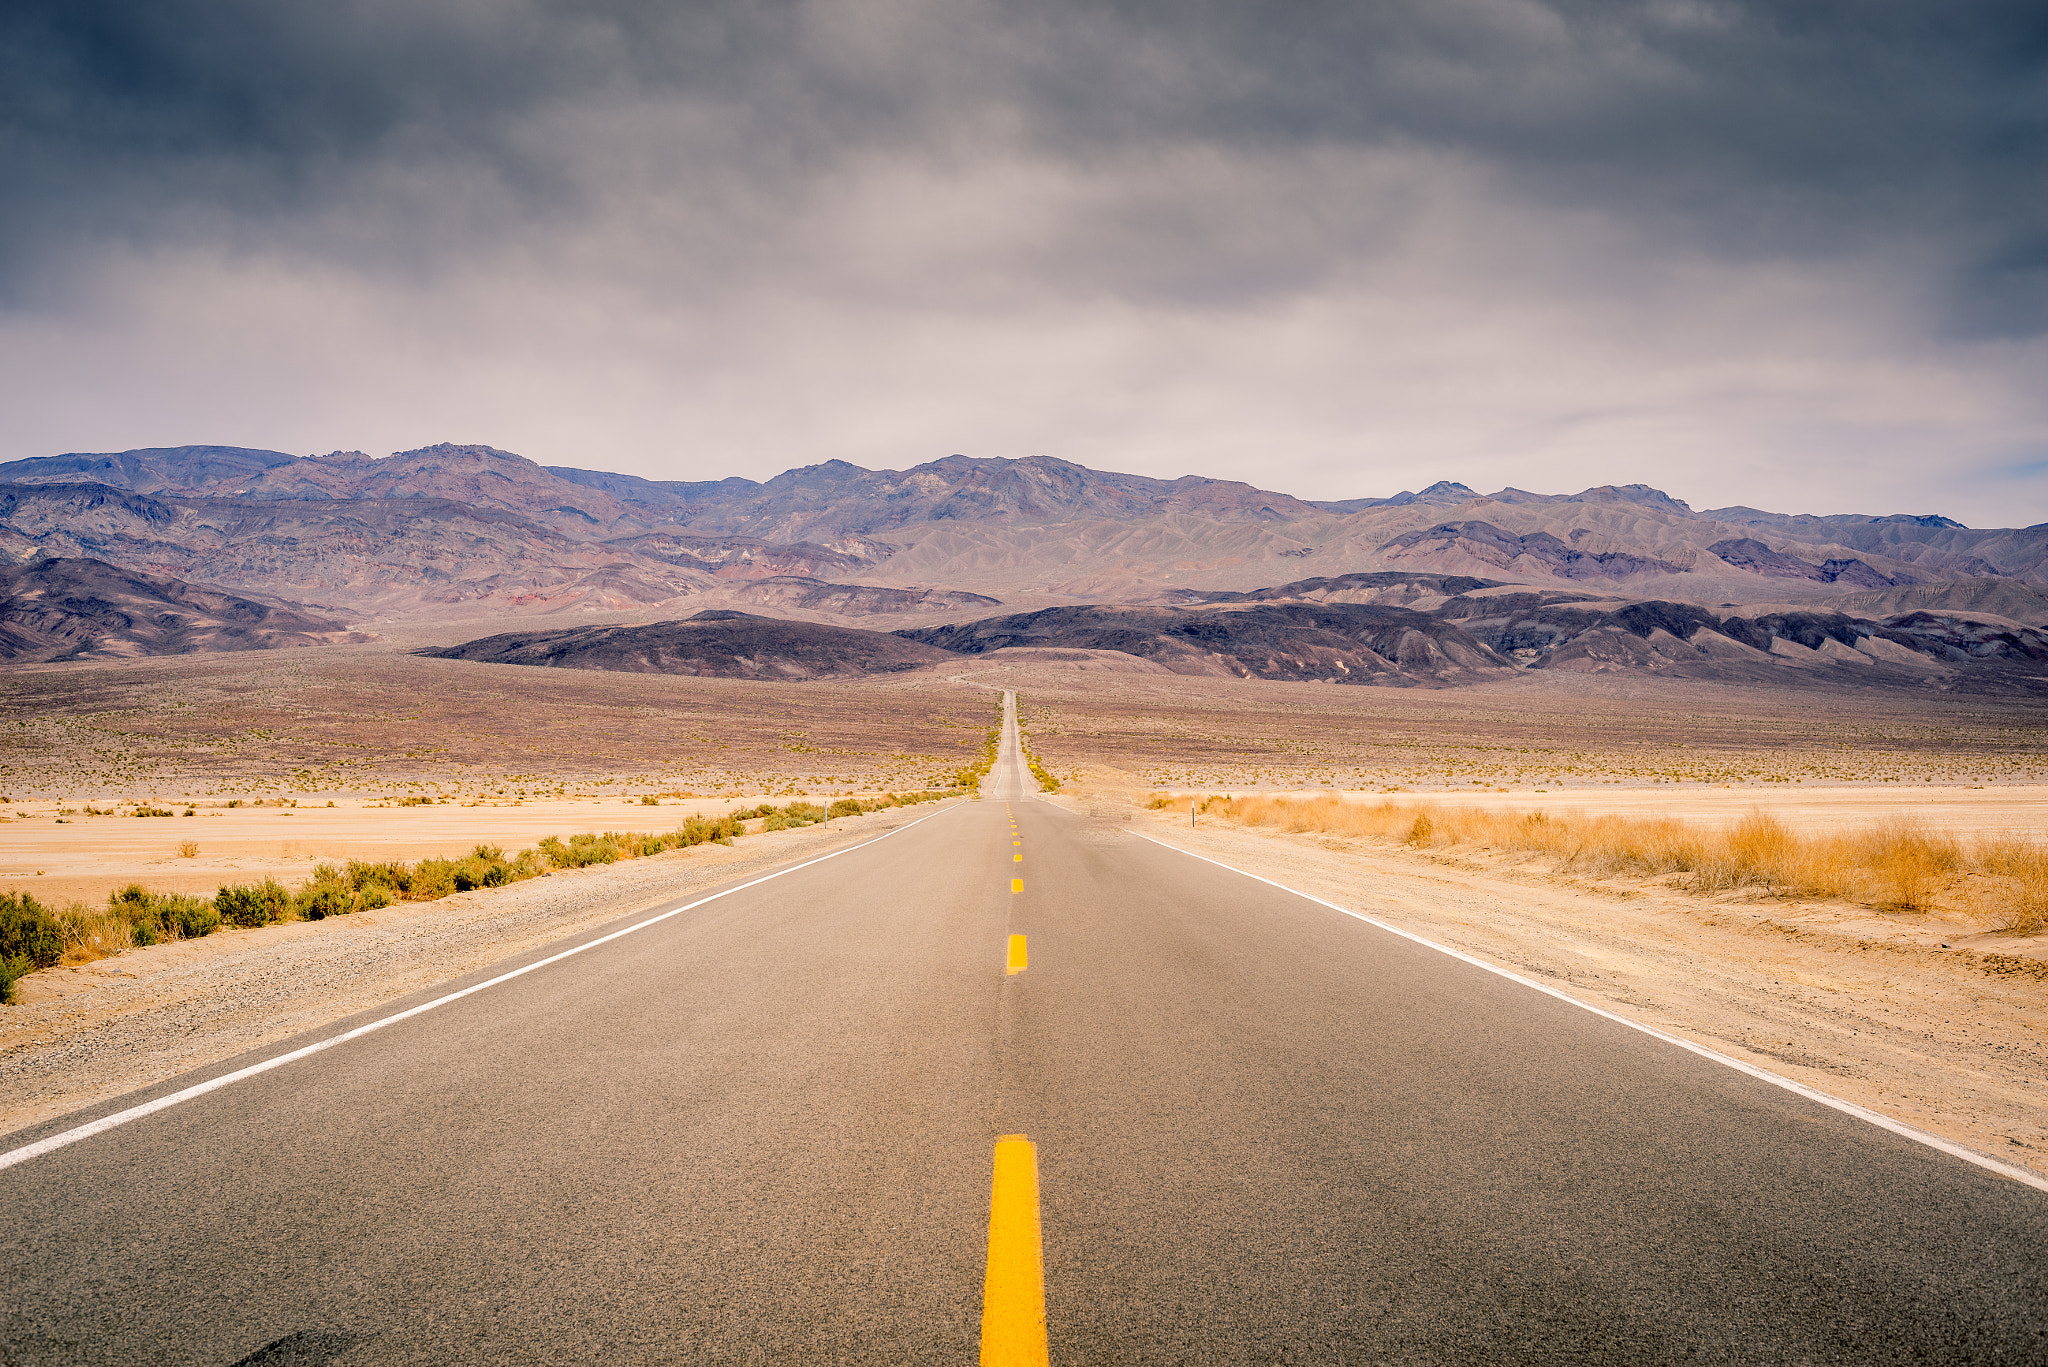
<point>1942,1040</point>
<point>83,1035</point>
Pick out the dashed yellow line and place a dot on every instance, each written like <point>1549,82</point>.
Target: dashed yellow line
<point>1016,885</point>
<point>1013,1292</point>
<point>1018,961</point>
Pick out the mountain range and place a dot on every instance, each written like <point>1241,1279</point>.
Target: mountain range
<point>469,532</point>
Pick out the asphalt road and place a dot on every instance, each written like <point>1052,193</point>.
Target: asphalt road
<point>760,1132</point>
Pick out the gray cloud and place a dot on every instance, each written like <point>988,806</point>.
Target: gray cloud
<point>1789,253</point>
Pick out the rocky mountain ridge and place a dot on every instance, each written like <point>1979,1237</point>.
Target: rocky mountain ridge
<point>458,530</point>
<point>54,610</point>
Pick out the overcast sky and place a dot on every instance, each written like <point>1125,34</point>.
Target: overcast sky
<point>1786,254</point>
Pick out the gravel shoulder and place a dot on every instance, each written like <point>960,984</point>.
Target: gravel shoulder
<point>80,1036</point>
<point>1951,1041</point>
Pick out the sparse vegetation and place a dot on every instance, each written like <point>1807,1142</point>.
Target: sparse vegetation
<point>1897,866</point>
<point>136,917</point>
<point>809,813</point>
<point>2024,867</point>
<point>1046,782</point>
<point>254,905</point>
<point>29,939</point>
<point>155,917</point>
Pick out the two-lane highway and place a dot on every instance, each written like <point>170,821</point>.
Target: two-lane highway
<point>764,1129</point>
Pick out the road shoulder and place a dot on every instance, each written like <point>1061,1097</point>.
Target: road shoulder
<point>85,1035</point>
<point>1926,1037</point>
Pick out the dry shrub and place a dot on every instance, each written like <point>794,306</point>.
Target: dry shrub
<point>2023,867</point>
<point>90,934</point>
<point>1907,864</point>
<point>1899,865</point>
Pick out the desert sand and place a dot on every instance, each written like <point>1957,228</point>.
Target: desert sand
<point>89,856</point>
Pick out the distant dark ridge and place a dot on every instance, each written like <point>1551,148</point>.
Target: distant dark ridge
<point>1364,581</point>
<point>65,609</point>
<point>712,644</point>
<point>1488,544</point>
<point>1332,642</point>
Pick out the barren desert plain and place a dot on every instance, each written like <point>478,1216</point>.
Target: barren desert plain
<point>291,759</point>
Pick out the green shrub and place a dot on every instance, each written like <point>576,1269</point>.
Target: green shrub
<point>329,892</point>
<point>579,852</point>
<point>432,879</point>
<point>190,916</point>
<point>475,873</point>
<point>318,901</point>
<point>254,905</point>
<point>155,917</point>
<point>698,830</point>
<point>29,940</point>
<point>393,877</point>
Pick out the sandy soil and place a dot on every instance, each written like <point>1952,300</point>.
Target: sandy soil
<point>89,856</point>
<point>358,721</point>
<point>1954,1041</point>
<point>82,1035</point>
<point>2016,809</point>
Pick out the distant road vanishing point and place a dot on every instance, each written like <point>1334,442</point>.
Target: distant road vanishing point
<point>1004,1085</point>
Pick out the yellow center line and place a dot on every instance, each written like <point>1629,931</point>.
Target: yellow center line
<point>1016,858</point>
<point>1013,1293</point>
<point>1017,962</point>
<point>1016,885</point>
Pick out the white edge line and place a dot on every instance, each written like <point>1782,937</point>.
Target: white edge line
<point>105,1123</point>
<point>1877,1118</point>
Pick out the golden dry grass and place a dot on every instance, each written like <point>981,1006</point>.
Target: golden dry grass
<point>1896,865</point>
<point>2024,867</point>
<point>91,934</point>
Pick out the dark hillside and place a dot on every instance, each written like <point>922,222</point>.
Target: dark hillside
<point>1333,642</point>
<point>714,644</point>
<point>65,609</point>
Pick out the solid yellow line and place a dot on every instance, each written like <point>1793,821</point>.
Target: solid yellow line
<point>1017,963</point>
<point>1013,1294</point>
<point>1016,885</point>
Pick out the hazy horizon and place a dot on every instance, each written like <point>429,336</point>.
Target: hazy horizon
<point>1787,259</point>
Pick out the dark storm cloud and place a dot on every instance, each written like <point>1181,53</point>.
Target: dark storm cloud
<point>1370,234</point>
<point>1761,127</point>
